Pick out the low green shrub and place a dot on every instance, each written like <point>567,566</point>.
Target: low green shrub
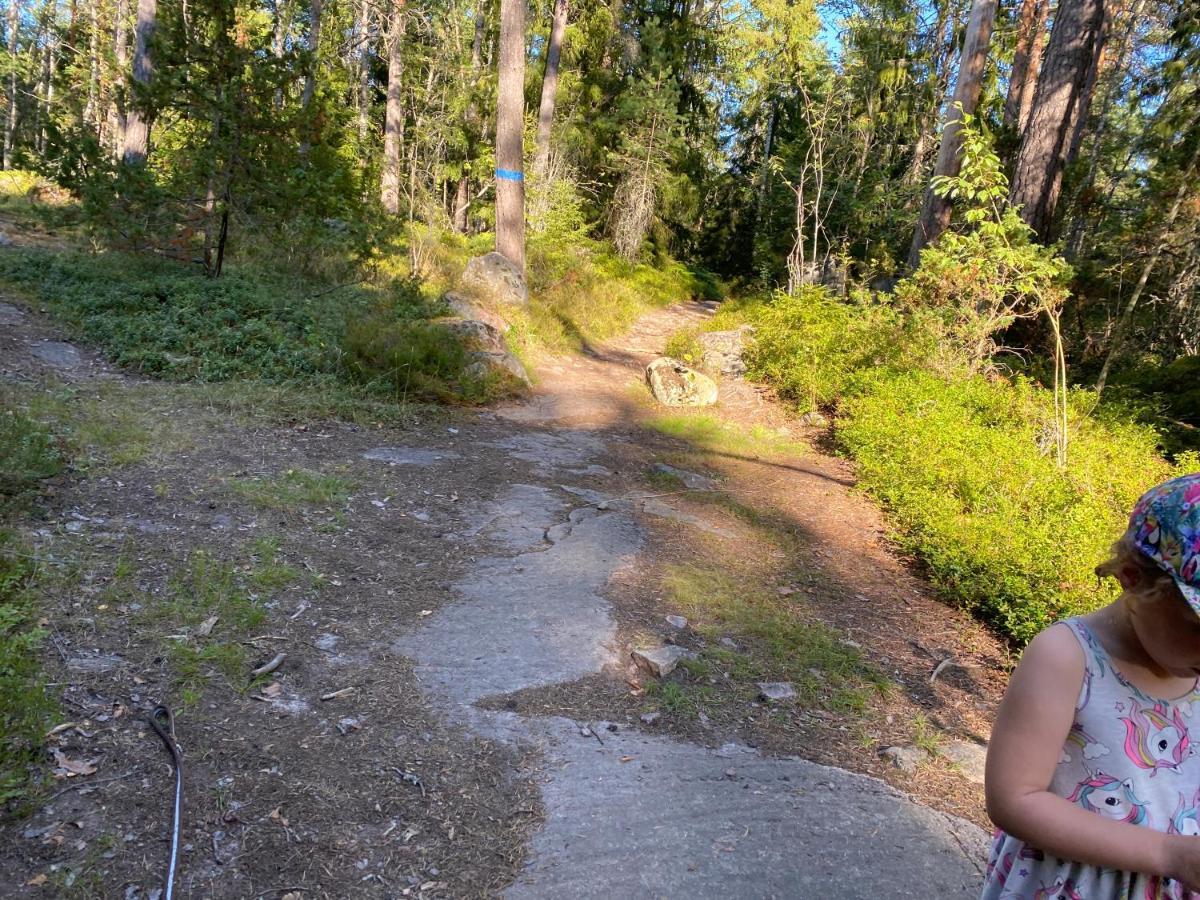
<point>967,469</point>
<point>810,345</point>
<point>28,454</point>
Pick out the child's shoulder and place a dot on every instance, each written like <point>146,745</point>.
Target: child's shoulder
<point>1055,655</point>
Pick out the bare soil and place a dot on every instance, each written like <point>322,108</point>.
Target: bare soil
<point>372,792</point>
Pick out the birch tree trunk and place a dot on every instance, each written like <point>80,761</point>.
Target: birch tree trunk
<point>364,103</point>
<point>394,112</point>
<point>510,148</point>
<point>549,88</point>
<point>116,112</point>
<point>137,119</point>
<point>1027,59</point>
<point>935,213</point>
<point>1045,149</point>
<point>310,76</point>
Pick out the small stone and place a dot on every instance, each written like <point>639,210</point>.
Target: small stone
<point>728,643</point>
<point>969,757</point>
<point>776,690</point>
<point>814,419</point>
<point>906,759</point>
<point>93,665</point>
<point>650,718</point>
<point>661,661</point>
<point>677,622</point>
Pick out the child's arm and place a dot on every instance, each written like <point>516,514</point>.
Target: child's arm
<point>1031,728</point>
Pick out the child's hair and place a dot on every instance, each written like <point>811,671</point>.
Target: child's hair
<point>1150,579</point>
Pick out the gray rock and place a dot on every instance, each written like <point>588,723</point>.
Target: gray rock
<point>666,511</point>
<point>485,364</point>
<point>677,622</point>
<point>814,419</point>
<point>93,665</point>
<point>775,690</point>
<point>58,354</point>
<point>466,308</point>
<point>408,456</point>
<point>650,718</point>
<point>728,643</point>
<point>674,384</point>
<point>722,351</point>
<point>690,480</point>
<point>906,759</point>
<point>969,757</point>
<point>494,277</point>
<point>473,334</point>
<point>10,315</point>
<point>661,661</point>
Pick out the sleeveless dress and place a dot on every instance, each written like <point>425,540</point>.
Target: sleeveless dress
<point>1128,756</point>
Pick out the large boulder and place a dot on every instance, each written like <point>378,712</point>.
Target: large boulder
<point>473,334</point>
<point>493,277</point>
<point>466,308</point>
<point>674,384</point>
<point>722,351</point>
<point>485,364</point>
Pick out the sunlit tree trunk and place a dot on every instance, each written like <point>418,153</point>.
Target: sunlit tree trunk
<point>510,151</point>
<point>393,116</point>
<point>364,98</point>
<point>935,213</point>
<point>310,76</point>
<point>1079,27</point>
<point>1027,59</point>
<point>137,119</point>
<point>116,110</point>
<point>549,88</point>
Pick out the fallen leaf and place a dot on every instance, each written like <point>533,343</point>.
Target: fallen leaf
<point>278,818</point>
<point>36,881</point>
<point>207,626</point>
<point>274,689</point>
<point>628,758</point>
<point>70,767</point>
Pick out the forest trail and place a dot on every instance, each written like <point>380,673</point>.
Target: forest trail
<point>465,592</point>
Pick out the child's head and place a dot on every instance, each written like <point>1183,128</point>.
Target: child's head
<point>1157,561</point>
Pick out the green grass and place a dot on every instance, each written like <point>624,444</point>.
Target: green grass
<point>294,488</point>
<point>786,645</point>
<point>204,587</point>
<point>707,432</point>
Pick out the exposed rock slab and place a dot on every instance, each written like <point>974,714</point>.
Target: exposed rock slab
<point>58,354</point>
<point>466,308</point>
<point>723,351</point>
<point>409,456</point>
<point>969,757</point>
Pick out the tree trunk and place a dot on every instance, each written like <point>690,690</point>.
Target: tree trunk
<point>10,122</point>
<point>310,76</point>
<point>935,213</point>
<point>121,53</point>
<point>541,156</point>
<point>137,120</point>
<point>1031,35</point>
<point>1076,38</point>
<point>394,111</point>
<point>510,149</point>
<point>314,47</point>
<point>462,193</point>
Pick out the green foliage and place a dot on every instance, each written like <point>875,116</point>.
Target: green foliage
<point>25,707</point>
<point>810,345</point>
<point>967,470</point>
<point>28,454</point>
<point>975,282</point>
<point>294,488</point>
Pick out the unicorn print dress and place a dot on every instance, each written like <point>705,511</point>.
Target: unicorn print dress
<point>1129,757</point>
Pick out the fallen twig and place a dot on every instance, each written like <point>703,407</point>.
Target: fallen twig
<point>271,666</point>
<point>333,695</point>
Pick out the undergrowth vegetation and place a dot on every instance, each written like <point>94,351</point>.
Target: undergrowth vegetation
<point>29,453</point>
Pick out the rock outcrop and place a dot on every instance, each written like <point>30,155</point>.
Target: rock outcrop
<point>722,352</point>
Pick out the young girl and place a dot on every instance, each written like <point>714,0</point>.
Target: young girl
<point>1093,778</point>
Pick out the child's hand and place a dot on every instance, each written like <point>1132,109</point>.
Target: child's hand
<point>1183,860</point>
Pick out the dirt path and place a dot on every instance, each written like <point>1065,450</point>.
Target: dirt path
<point>469,588</point>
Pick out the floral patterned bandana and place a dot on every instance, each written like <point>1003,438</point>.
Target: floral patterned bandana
<point>1165,525</point>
